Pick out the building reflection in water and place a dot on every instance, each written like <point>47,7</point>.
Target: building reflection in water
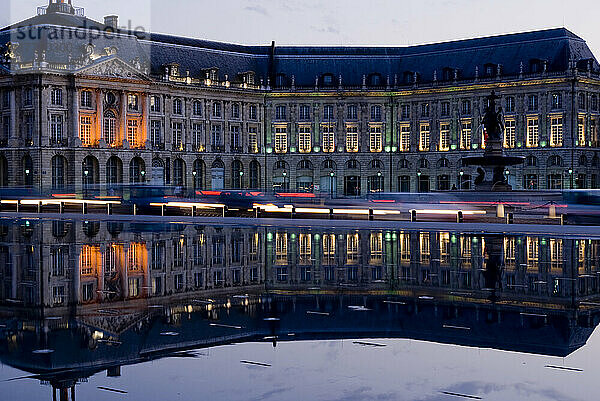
<point>81,297</point>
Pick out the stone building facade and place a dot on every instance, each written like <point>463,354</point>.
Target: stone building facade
<point>88,105</point>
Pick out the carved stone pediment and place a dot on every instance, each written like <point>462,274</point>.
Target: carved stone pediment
<point>112,67</point>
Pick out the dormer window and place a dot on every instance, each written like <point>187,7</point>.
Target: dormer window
<point>375,79</point>
<point>327,80</point>
<point>489,70</point>
<point>409,77</point>
<point>448,74</point>
<point>535,66</point>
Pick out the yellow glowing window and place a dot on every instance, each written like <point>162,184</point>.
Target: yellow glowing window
<point>304,139</point>
<point>510,134</point>
<point>253,139</point>
<point>405,138</point>
<point>424,137</point>
<point>328,138</point>
<point>352,139</point>
<point>581,131</point>
<point>556,131</point>
<point>352,248</point>
<point>533,133</point>
<point>133,133</point>
<point>375,139</point>
<point>465,135</point>
<point>85,130</point>
<point>281,140</point>
<point>444,136</point>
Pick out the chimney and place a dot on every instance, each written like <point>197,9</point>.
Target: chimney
<point>112,21</point>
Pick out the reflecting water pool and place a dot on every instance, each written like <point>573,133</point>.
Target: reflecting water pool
<point>101,310</point>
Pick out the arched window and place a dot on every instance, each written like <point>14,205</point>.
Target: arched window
<point>177,106</point>
<point>27,167</point>
<point>328,165</point>
<point>555,161</point>
<point>110,128</point>
<point>59,169</point>
<point>137,170</point>
<point>114,171</point>
<point>443,163</point>
<point>583,161</point>
<point>197,108</point>
<point>327,80</point>
<point>89,172</point>
<point>423,163</point>
<point>376,164</point>
<point>198,173</point>
<point>352,165</point>
<point>403,164</point>
<point>237,174</point>
<point>158,172</point>
<point>254,181</point>
<point>531,161</point>
<point>179,173</point>
<point>305,165</point>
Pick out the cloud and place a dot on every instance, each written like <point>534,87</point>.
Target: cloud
<point>327,29</point>
<point>257,9</point>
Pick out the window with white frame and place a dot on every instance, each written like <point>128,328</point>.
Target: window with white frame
<point>178,136</point>
<point>533,134</point>
<point>328,138</point>
<point>510,132</point>
<point>155,132</point>
<point>86,99</point>
<point>424,137</point>
<point>405,138</point>
<point>197,136</point>
<point>132,102</point>
<point>85,130</point>
<point>376,113</point>
<point>556,131</point>
<point>56,97</point>
<point>375,138</point>
<point>444,136</point>
<point>197,108</point>
<point>465,134</point>
<point>56,128</point>
<point>155,104</point>
<point>304,112</point>
<point>304,139</point>
<point>281,139</point>
<point>352,138</point>
<point>352,112</point>
<point>280,112</point>
<point>217,110</point>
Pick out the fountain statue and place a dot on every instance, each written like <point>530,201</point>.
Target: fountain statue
<point>493,162</point>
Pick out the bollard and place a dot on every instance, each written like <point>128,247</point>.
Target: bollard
<point>84,208</point>
<point>460,217</point>
<point>61,207</point>
<point>500,211</point>
<point>109,209</point>
<point>371,217</point>
<point>330,214</point>
<point>509,218</point>
<point>563,219</point>
<point>225,211</point>
<point>18,204</point>
<point>194,210</point>
<point>293,214</point>
<point>135,209</point>
<point>552,212</point>
<point>163,209</point>
<point>39,207</point>
<point>413,215</point>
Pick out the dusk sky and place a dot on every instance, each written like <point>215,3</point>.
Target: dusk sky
<point>348,22</point>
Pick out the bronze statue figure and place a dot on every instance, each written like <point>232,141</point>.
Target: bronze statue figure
<point>492,120</point>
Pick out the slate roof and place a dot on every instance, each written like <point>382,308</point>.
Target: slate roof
<point>555,47</point>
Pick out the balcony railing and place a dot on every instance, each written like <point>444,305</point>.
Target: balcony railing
<point>218,148</point>
<point>237,149</point>
<point>60,142</point>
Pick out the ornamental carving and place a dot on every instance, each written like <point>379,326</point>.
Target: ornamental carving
<point>114,68</point>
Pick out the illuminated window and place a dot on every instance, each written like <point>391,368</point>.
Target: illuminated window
<point>305,249</point>
<point>444,248</point>
<point>533,135</point>
<point>56,97</point>
<point>424,247</point>
<point>375,139</point>
<point>110,128</point>
<point>89,259</point>
<point>532,253</point>
<point>281,255</point>
<point>177,136</point>
<point>253,139</point>
<point>132,134</point>
<point>465,135</point>
<point>404,242</point>
<point>405,138</point>
<point>444,136</point>
<point>328,138</point>
<point>132,102</point>
<point>85,130</point>
<point>329,249</point>
<point>581,131</point>
<point>136,257</point>
<point>510,252</point>
<point>352,248</point>
<point>281,140</point>
<point>424,137</point>
<point>376,248</point>
<point>304,139</point>
<point>556,256</point>
<point>352,138</point>
<point>556,131</point>
<point>510,130</point>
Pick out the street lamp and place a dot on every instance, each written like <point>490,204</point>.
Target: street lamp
<point>284,180</point>
<point>331,184</point>
<point>571,178</point>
